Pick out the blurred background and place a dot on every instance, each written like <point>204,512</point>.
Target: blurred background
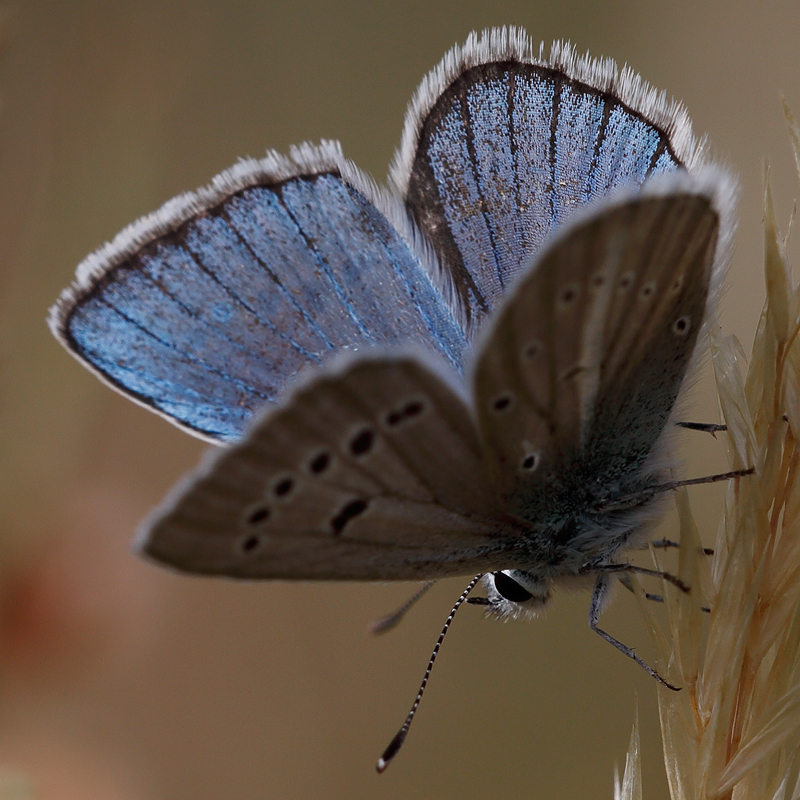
<point>124,682</point>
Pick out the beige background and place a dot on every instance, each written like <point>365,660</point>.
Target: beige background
<point>118,680</point>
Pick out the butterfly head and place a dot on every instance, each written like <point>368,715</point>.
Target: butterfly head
<point>514,593</point>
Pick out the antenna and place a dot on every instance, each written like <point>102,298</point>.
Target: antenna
<point>394,746</point>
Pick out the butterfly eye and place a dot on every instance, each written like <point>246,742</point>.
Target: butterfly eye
<point>353,509</point>
<point>362,442</point>
<point>283,487</point>
<point>677,284</point>
<point>598,280</point>
<point>681,326</point>
<point>319,463</point>
<point>509,589</point>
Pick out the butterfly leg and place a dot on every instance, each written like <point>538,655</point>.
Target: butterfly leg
<point>390,621</point>
<point>625,580</point>
<point>707,427</point>
<point>598,595</point>
<point>636,569</point>
<point>665,544</point>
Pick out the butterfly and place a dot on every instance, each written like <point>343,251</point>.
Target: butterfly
<point>474,371</point>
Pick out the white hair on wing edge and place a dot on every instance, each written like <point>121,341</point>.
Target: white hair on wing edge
<point>514,44</point>
<point>305,159</point>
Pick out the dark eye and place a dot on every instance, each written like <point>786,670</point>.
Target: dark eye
<point>510,589</point>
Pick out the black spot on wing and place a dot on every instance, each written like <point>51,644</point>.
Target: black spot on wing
<point>352,510</point>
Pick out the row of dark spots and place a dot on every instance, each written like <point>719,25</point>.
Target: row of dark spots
<point>359,445</point>
<point>349,512</point>
<point>261,514</point>
<point>363,442</point>
<point>256,518</point>
<point>570,293</point>
<point>503,403</point>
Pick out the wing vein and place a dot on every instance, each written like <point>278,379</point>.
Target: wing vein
<point>184,353</point>
<point>337,287</point>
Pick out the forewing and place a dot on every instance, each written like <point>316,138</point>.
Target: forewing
<point>500,147</point>
<point>203,310</point>
<point>578,375</point>
<point>371,472</point>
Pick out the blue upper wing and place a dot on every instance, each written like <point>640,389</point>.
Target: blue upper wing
<point>203,310</point>
<point>500,146</point>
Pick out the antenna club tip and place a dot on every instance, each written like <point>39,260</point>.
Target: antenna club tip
<point>391,751</point>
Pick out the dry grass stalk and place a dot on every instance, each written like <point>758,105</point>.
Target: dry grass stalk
<point>733,733</point>
<point>631,786</point>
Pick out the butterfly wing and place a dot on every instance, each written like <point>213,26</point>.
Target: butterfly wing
<point>577,377</point>
<point>203,310</point>
<point>372,471</point>
<point>501,145</point>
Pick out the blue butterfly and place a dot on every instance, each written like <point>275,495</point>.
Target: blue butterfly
<point>489,352</point>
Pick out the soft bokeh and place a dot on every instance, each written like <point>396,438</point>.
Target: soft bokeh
<point>121,681</point>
